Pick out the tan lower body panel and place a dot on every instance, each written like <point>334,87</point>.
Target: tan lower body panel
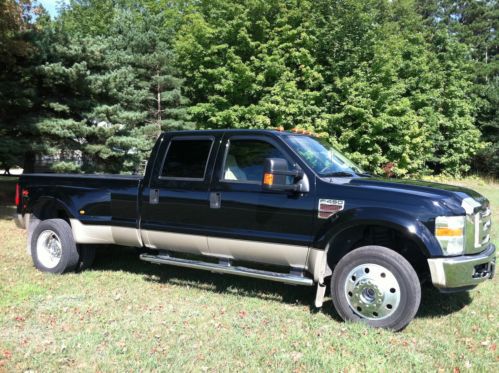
<point>184,243</point>
<point>257,251</point>
<point>310,259</point>
<point>105,234</point>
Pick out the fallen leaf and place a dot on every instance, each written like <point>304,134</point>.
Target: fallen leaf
<point>7,354</point>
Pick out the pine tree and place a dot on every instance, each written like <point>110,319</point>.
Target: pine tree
<point>136,94</point>
<point>16,53</point>
<point>105,96</point>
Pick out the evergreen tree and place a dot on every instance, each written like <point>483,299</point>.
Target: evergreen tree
<point>137,94</point>
<point>108,95</point>
<point>16,53</point>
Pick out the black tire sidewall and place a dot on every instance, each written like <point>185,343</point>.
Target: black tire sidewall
<point>406,276</point>
<point>69,256</point>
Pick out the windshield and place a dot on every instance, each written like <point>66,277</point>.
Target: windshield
<point>322,157</point>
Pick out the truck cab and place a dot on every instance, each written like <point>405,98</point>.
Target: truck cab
<point>274,205</point>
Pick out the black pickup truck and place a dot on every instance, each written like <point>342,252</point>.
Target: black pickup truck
<point>273,205</point>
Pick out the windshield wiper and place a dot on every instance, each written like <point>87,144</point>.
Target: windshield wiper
<point>363,174</point>
<point>338,174</point>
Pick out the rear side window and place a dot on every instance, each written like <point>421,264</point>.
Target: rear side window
<point>245,160</point>
<point>187,159</point>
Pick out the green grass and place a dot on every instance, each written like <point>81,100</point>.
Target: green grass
<point>127,315</point>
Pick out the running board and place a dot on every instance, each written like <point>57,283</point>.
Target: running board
<point>226,267</point>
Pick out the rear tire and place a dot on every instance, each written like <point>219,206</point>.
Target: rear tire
<point>53,248</point>
<point>377,286</point>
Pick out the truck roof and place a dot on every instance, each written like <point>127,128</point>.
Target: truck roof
<point>275,132</point>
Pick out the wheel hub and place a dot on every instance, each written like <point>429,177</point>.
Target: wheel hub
<point>372,291</point>
<point>49,249</point>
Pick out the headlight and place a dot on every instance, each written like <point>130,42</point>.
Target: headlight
<point>449,231</point>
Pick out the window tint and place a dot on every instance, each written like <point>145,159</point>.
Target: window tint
<point>187,159</point>
<point>246,158</point>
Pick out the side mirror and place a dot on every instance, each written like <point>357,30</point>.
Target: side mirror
<point>276,175</point>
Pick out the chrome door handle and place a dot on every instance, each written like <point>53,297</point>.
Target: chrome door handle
<point>154,196</point>
<point>215,200</point>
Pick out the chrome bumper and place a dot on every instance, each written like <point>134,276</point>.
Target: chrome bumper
<point>463,271</point>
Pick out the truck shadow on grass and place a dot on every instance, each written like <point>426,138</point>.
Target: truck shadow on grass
<point>433,303</point>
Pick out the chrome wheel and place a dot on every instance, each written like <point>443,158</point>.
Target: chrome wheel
<point>49,249</point>
<point>372,291</point>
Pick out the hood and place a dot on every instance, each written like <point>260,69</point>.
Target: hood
<point>418,187</point>
<point>449,195</point>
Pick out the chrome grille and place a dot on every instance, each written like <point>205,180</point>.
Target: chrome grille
<point>478,225</point>
<point>483,222</point>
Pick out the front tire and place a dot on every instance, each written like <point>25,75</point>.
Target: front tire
<point>53,248</point>
<point>377,286</point>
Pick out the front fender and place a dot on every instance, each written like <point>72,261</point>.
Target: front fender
<point>410,227</point>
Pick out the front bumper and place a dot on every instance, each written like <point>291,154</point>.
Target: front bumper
<point>464,271</point>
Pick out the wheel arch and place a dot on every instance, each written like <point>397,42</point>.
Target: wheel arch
<point>393,229</point>
<point>51,208</point>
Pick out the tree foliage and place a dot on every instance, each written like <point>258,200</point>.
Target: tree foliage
<point>413,83</point>
<point>16,52</point>
<point>474,24</point>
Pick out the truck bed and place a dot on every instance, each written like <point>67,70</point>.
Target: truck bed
<point>92,199</point>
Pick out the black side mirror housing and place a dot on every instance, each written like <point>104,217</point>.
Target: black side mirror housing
<point>276,173</point>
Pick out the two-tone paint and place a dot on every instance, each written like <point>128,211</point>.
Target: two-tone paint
<point>247,223</point>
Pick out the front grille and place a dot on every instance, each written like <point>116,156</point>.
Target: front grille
<point>483,222</point>
<point>479,228</point>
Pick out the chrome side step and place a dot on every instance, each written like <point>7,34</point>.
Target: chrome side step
<point>225,266</point>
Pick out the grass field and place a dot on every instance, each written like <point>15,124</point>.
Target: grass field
<point>126,315</point>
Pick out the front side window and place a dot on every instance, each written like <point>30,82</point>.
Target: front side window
<point>187,158</point>
<point>245,160</point>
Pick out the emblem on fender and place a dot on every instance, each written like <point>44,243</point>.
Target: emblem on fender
<point>329,207</point>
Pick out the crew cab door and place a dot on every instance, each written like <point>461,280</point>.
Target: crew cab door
<point>175,204</point>
<point>250,224</point>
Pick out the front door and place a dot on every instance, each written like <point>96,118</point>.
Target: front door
<point>250,224</point>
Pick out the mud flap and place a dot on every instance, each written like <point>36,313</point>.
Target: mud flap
<point>320,294</point>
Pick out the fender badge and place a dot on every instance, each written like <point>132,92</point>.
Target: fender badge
<point>329,207</point>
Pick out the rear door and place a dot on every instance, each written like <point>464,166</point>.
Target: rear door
<point>250,224</point>
<point>175,204</point>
